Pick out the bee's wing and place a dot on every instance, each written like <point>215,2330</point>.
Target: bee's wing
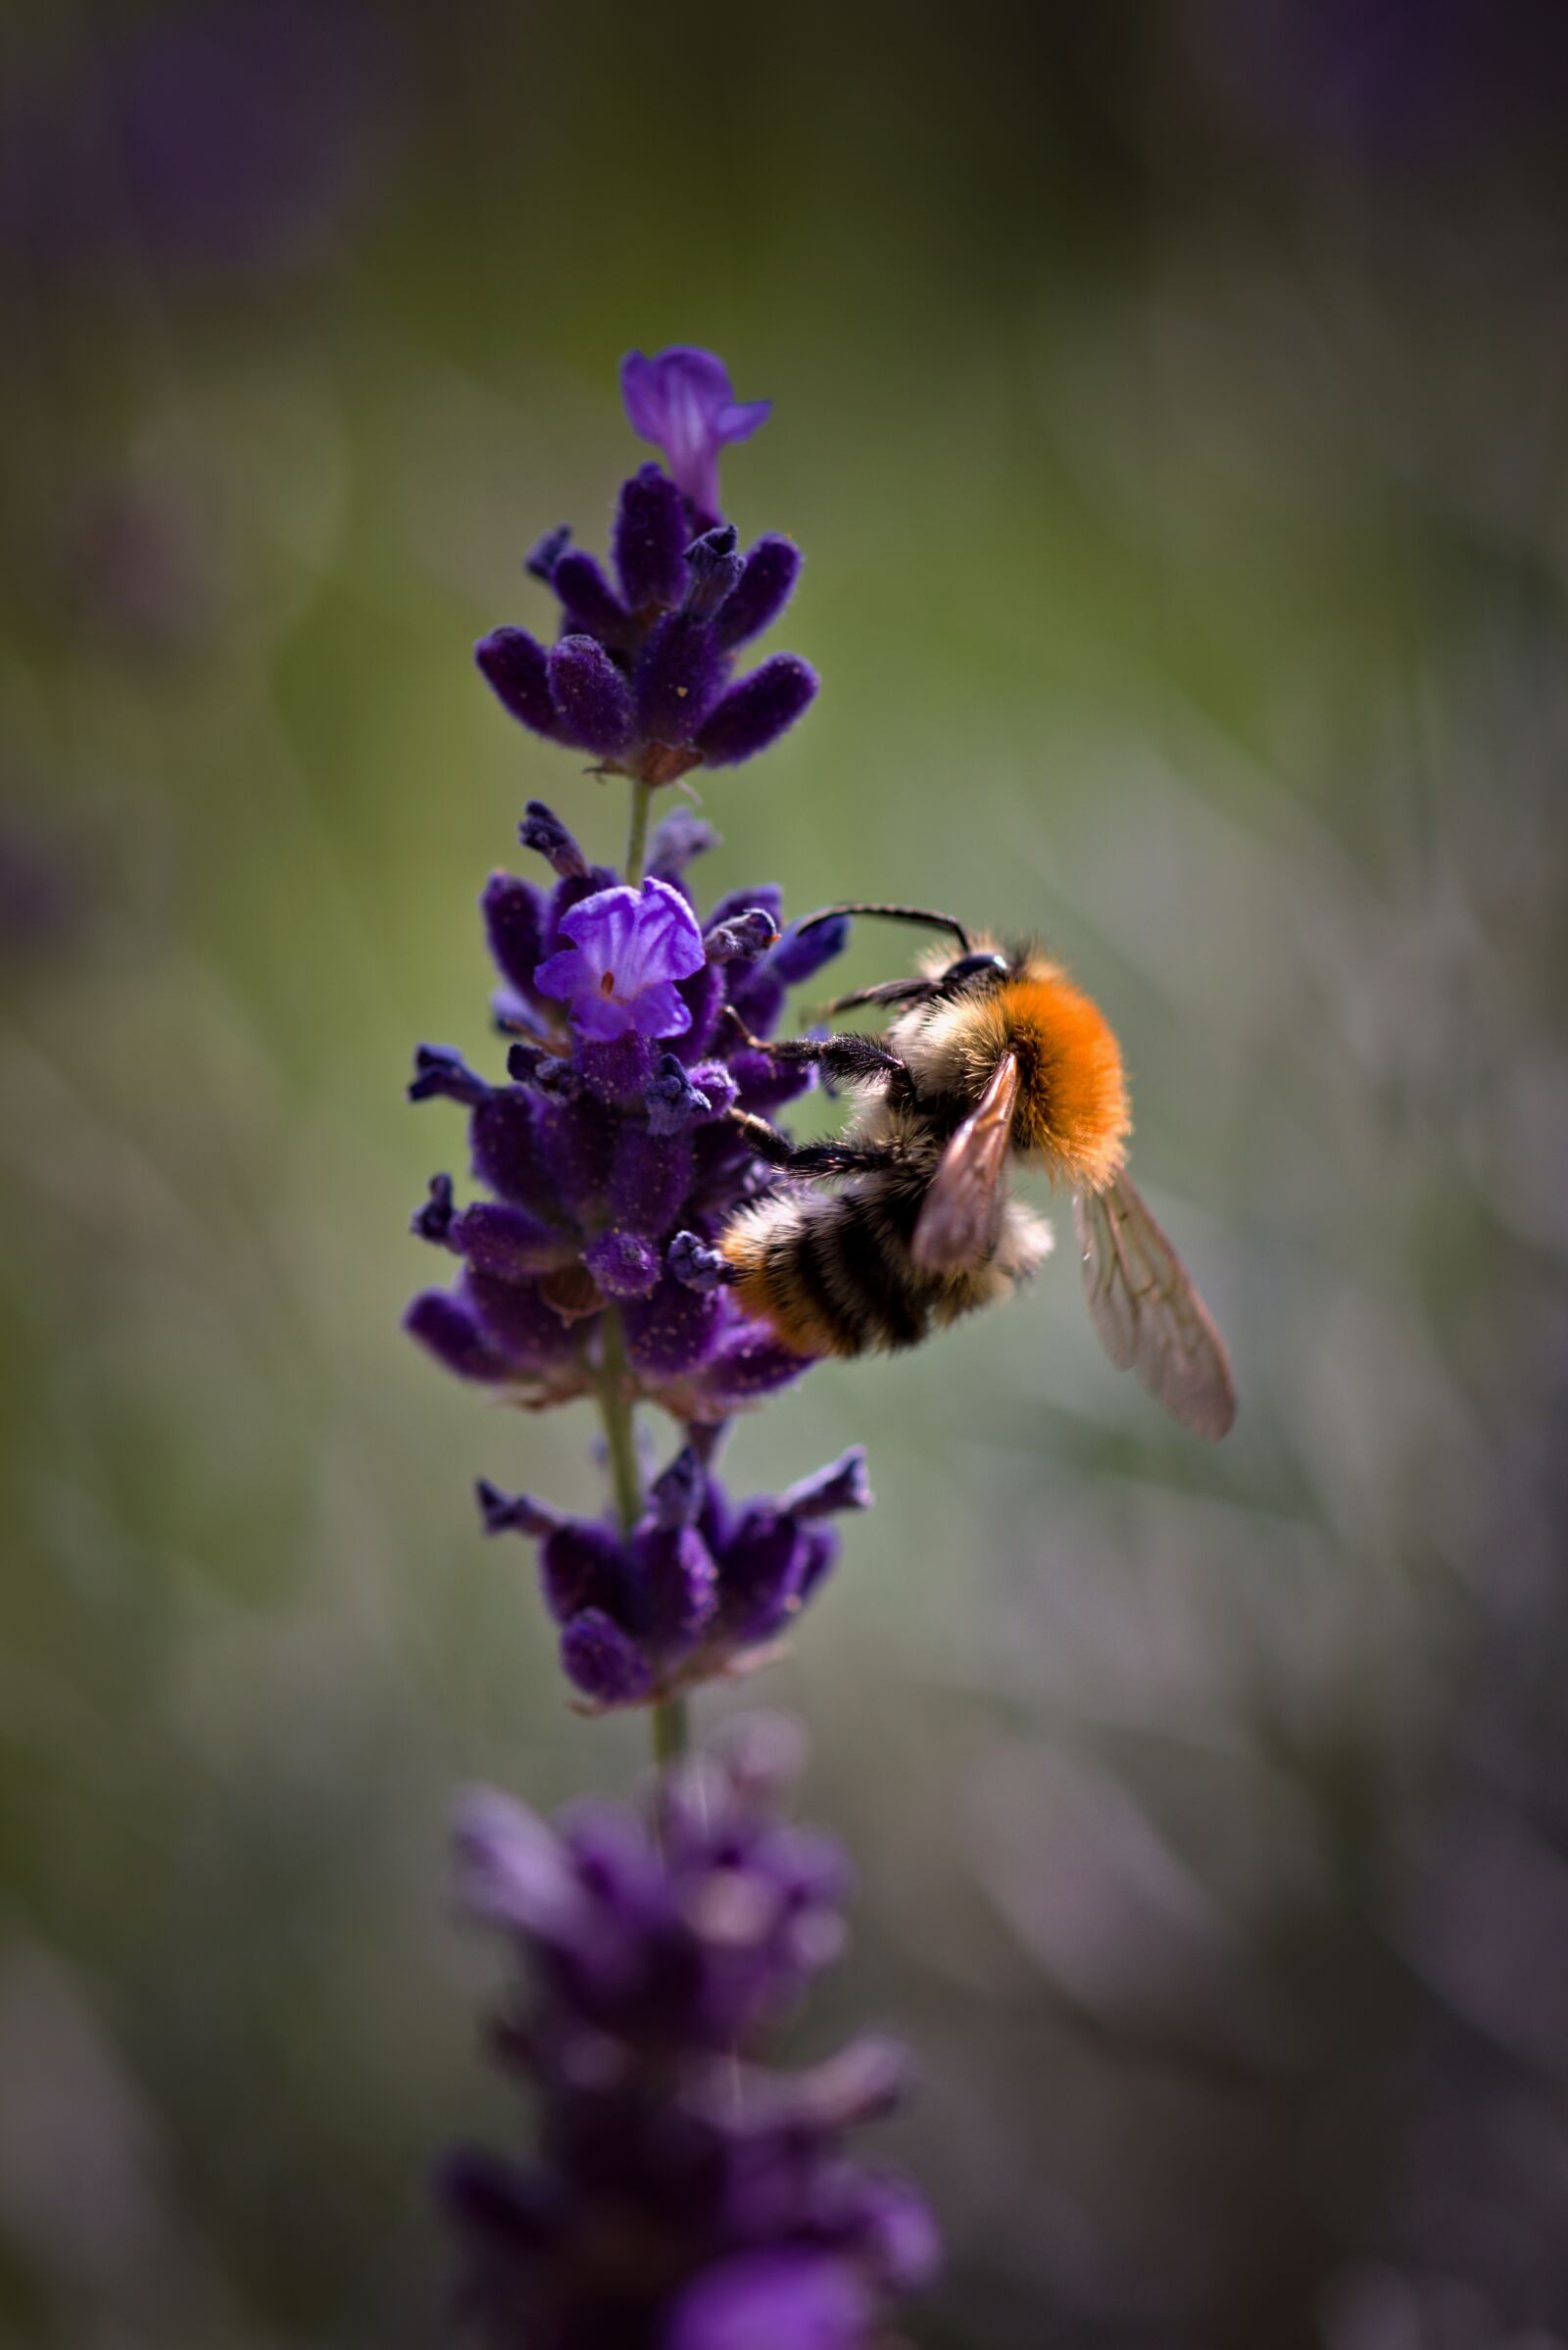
<point>1148,1314</point>
<point>958,1219</point>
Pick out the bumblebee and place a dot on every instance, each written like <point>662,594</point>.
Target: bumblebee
<point>905,1222</point>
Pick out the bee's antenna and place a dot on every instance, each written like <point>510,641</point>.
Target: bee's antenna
<point>891,913</point>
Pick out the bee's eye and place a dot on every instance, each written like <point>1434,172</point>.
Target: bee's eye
<point>971,966</point>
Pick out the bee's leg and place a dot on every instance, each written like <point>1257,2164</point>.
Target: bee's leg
<point>850,1056</point>
<point>810,1158</point>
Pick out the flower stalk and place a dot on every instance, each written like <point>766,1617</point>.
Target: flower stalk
<point>655,1947</point>
<point>642,800</point>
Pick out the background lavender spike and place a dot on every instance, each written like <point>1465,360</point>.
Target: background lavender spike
<point>654,1956</point>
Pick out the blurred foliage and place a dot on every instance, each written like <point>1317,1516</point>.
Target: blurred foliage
<point>1169,402</point>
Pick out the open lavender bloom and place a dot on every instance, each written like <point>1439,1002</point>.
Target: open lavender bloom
<point>700,1585</point>
<point>629,948</point>
<point>610,1135</point>
<point>641,674</point>
<point>682,402</point>
<point>684,2196</point>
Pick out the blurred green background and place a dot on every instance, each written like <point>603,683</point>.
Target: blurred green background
<point>1170,401</point>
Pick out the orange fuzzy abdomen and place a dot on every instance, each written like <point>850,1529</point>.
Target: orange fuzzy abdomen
<point>1072,1101</point>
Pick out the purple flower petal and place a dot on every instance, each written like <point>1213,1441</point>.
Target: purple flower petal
<point>694,1264</point>
<point>618,1070</point>
<point>758,711</point>
<point>659,1011</point>
<point>673,1102</point>
<point>442,1074</point>
<point>516,669</point>
<point>580,1565</point>
<point>794,2299</point>
<point>589,600</point>
<point>603,1018</point>
<point>542,831</point>
<point>591,695</point>
<point>681,399</point>
<point>841,1485</point>
<point>433,1221</point>
<point>629,947</point>
<point>513,1870</point>
<point>512,1513</point>
<point>515,923</point>
<point>677,1493</point>
<point>520,1321</point>
<point>622,1264</point>
<point>801,954</point>
<point>603,1661</point>
<point>748,1362</point>
<point>506,1240</point>
<point>651,1177</point>
<point>713,572</point>
<point>575,1142</point>
<point>650,540</point>
<point>673,1585</point>
<point>702,995</point>
<point>448,1327</point>
<point>762,1565</point>
<point>743,938</point>
<point>561,974</point>
<point>680,678</point>
<point>503,1150</point>
<point>545,553</point>
<point>678,837</point>
<point>671,1332</point>
<point>764,587</point>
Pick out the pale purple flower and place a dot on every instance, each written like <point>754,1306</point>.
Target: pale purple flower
<point>794,2299</point>
<point>629,948</point>
<point>682,402</point>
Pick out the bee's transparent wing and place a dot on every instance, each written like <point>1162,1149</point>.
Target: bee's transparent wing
<point>1148,1314</point>
<point>959,1220</point>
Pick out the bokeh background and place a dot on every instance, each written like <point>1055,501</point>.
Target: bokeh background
<point>1170,401</point>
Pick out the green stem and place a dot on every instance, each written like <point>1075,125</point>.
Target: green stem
<point>642,795</point>
<point>620,1442</point>
<point>670,1738</point>
<point>616,1409</point>
<point>670,1714</point>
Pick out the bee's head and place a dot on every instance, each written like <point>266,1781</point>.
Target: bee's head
<point>984,965</point>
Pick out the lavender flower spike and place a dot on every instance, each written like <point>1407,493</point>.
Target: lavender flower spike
<point>629,948</point>
<point>681,399</point>
<point>684,2196</point>
<point>654,1958</point>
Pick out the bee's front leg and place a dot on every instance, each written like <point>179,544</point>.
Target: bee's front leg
<point>850,1056</point>
<point>809,1158</point>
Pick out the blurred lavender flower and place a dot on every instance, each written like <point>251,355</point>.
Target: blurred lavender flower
<point>641,673</point>
<point>240,136</point>
<point>684,2197</point>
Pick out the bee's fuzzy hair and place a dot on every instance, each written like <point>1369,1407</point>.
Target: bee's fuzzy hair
<point>833,1275</point>
<point>1072,1116</point>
